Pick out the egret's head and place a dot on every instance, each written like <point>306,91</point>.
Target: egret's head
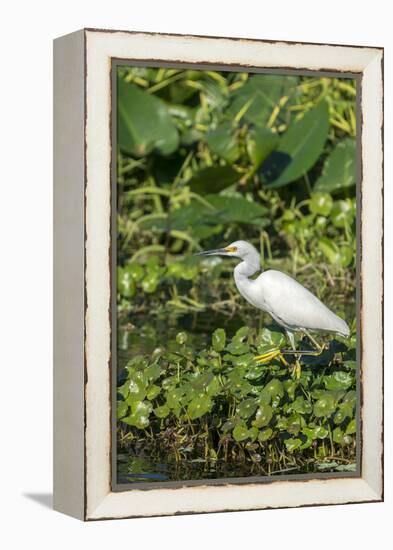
<point>238,249</point>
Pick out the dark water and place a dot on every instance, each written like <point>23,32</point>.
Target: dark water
<point>141,469</point>
<point>142,334</point>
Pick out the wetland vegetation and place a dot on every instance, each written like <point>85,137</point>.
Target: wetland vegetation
<point>205,158</point>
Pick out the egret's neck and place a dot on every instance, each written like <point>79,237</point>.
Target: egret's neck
<point>244,270</point>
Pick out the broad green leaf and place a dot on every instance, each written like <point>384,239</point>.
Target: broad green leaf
<point>144,123</point>
<point>213,179</point>
<point>260,143</point>
<point>219,339</point>
<point>302,144</point>
<point>257,98</point>
<point>238,210</point>
<point>223,142</point>
<point>339,170</point>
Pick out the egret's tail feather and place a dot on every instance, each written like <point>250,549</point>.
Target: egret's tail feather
<point>342,328</point>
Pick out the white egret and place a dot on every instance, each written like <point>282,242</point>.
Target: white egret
<point>290,304</point>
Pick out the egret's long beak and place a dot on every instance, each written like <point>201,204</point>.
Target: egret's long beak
<point>215,252</point>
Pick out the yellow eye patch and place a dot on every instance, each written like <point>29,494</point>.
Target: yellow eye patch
<point>231,249</point>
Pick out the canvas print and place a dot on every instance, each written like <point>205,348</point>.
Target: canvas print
<point>236,283</point>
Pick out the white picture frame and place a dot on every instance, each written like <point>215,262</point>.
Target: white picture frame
<point>82,252</point>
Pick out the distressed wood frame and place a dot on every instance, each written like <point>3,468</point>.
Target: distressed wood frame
<point>82,272</point>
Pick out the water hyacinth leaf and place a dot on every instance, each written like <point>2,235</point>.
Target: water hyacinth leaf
<point>125,283</point>
<point>219,339</point>
<point>257,98</point>
<point>152,392</point>
<point>351,428</point>
<point>321,203</point>
<point>263,416</point>
<point>275,388</point>
<point>339,380</point>
<point>173,397</point>
<point>253,433</point>
<point>150,283</point>
<point>329,249</point>
<point>303,143</point>
<point>152,373</point>
<point>338,435</point>
<point>343,213</point>
<point>213,179</point>
<point>269,339</point>
<point>162,411</point>
<point>223,142</point>
<point>325,406</point>
<point>339,170</point>
<point>214,388</point>
<point>136,271</point>
<point>228,425</point>
<point>122,409</point>
<point>301,406</point>
<point>144,123</point>
<point>260,143</point>
<point>198,407</point>
<point>240,432</point>
<point>294,423</point>
<point>265,434</point>
<point>137,391</point>
<point>247,408</point>
<point>292,444</point>
<point>202,380</point>
<point>181,338</point>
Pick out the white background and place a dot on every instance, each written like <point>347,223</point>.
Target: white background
<point>28,28</point>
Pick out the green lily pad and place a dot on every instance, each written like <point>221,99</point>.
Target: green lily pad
<point>292,444</point>
<point>122,409</point>
<point>198,407</point>
<point>321,203</point>
<point>263,416</point>
<point>240,432</point>
<point>162,411</point>
<point>325,406</point>
<point>265,434</point>
<point>339,380</point>
<point>247,408</point>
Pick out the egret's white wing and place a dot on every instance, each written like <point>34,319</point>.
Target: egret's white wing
<point>292,305</point>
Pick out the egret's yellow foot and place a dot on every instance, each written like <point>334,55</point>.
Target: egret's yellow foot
<point>296,369</point>
<point>274,354</point>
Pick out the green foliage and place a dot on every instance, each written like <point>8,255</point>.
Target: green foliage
<point>204,396</point>
<point>205,158</point>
